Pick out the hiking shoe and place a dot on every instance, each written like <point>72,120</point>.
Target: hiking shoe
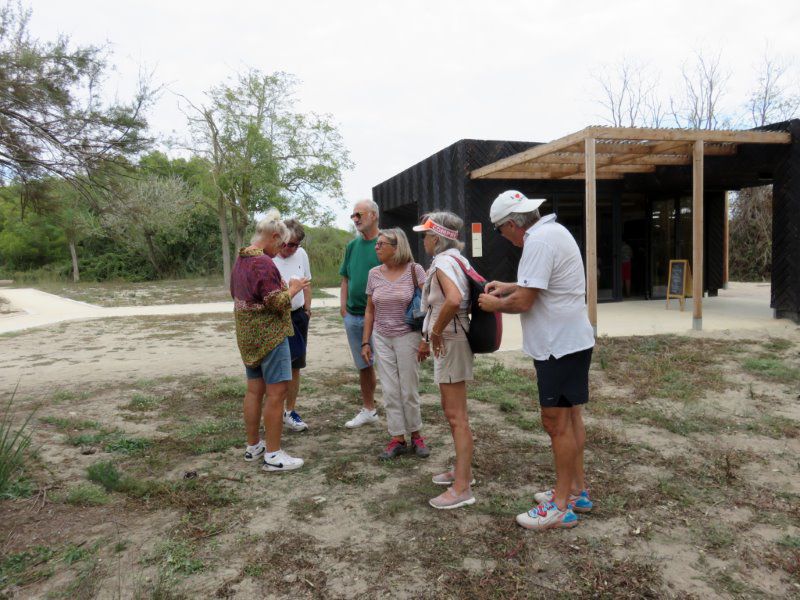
<point>363,417</point>
<point>448,479</point>
<point>420,449</point>
<point>548,516</point>
<point>280,461</point>
<point>393,449</point>
<point>253,452</point>
<point>293,421</point>
<point>580,503</point>
<point>450,499</point>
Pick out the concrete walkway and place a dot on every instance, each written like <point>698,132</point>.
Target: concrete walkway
<point>743,306</point>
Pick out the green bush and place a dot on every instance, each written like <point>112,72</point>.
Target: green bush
<point>86,494</point>
<point>106,474</point>
<point>325,247</point>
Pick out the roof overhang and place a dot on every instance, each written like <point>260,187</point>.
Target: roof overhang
<point>621,150</point>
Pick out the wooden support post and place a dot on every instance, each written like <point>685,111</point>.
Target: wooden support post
<point>591,233</point>
<point>697,234</point>
<point>725,241</point>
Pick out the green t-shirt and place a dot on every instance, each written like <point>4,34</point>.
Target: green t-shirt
<point>359,258</point>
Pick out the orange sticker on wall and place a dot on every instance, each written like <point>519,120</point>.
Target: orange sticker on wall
<point>477,239</point>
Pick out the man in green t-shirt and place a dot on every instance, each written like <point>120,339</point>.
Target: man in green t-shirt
<point>359,258</point>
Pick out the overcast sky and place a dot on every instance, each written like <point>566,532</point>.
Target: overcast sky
<point>404,79</point>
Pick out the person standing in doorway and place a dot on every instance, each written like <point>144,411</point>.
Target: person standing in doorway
<point>549,296</point>
<point>359,258</point>
<point>292,262</point>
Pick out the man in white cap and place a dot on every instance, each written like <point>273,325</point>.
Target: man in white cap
<point>549,296</point>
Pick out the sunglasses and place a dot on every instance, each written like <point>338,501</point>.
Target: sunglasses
<point>292,245</point>
<point>357,215</point>
<point>382,244</point>
<point>499,226</point>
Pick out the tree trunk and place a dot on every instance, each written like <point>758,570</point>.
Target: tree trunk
<point>151,254</point>
<point>226,243</point>
<point>76,276</point>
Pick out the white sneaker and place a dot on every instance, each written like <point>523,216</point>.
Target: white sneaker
<point>280,461</point>
<point>548,516</point>
<point>253,452</point>
<point>362,418</point>
<point>293,421</point>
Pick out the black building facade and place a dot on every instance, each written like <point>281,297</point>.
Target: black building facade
<point>644,219</point>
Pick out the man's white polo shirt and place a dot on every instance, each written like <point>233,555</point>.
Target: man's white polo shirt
<point>557,323</point>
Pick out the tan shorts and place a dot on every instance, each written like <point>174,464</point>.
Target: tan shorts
<point>456,365</point>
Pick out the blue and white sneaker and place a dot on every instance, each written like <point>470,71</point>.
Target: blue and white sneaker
<point>253,452</point>
<point>293,421</point>
<point>548,516</point>
<point>580,503</point>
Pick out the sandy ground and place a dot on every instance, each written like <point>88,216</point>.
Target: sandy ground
<point>87,366</point>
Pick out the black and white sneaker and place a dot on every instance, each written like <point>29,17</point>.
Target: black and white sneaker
<point>280,461</point>
<point>253,452</point>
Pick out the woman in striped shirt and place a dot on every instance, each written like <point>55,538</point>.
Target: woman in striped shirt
<point>390,288</point>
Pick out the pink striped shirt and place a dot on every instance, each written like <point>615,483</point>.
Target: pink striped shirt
<point>391,299</point>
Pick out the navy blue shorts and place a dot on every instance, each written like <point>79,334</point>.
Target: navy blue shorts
<point>564,382</point>
<point>299,340</point>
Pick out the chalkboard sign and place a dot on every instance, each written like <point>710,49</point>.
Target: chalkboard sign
<point>679,284</point>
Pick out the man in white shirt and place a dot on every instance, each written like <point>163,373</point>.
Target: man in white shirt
<point>549,296</point>
<point>292,262</point>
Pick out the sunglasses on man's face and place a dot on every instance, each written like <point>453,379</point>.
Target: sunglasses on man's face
<point>358,215</point>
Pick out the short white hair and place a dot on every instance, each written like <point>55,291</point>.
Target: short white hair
<point>371,205</point>
<point>271,223</point>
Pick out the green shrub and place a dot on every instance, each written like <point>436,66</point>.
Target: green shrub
<point>86,494</point>
<point>106,474</point>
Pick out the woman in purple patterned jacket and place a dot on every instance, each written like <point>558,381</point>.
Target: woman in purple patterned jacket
<point>262,307</point>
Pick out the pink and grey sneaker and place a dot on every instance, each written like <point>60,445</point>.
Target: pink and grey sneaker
<point>393,449</point>
<point>450,499</point>
<point>420,449</point>
<point>548,516</point>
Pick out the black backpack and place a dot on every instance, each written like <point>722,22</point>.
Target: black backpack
<point>485,328</point>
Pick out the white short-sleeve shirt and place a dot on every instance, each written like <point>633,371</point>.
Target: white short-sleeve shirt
<point>295,266</point>
<point>557,324</point>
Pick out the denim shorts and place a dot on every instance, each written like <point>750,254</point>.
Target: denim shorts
<point>275,367</point>
<point>354,327</point>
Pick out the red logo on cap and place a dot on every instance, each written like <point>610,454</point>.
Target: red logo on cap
<point>517,195</point>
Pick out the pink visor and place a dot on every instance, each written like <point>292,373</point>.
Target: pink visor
<point>433,227</point>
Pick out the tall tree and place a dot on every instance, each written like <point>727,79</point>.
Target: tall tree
<point>142,212</point>
<point>53,121</point>
<point>265,154</point>
<point>698,103</point>
<point>629,95</point>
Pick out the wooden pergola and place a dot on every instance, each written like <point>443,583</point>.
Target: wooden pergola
<point>612,152</point>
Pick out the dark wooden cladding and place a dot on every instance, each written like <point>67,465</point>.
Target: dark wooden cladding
<point>442,182</point>
<point>786,231</point>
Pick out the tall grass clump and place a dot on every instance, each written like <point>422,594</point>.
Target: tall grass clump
<point>13,444</point>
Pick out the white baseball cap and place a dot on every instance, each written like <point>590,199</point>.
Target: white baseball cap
<point>512,201</point>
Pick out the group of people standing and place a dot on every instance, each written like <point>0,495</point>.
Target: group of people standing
<point>379,280</point>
